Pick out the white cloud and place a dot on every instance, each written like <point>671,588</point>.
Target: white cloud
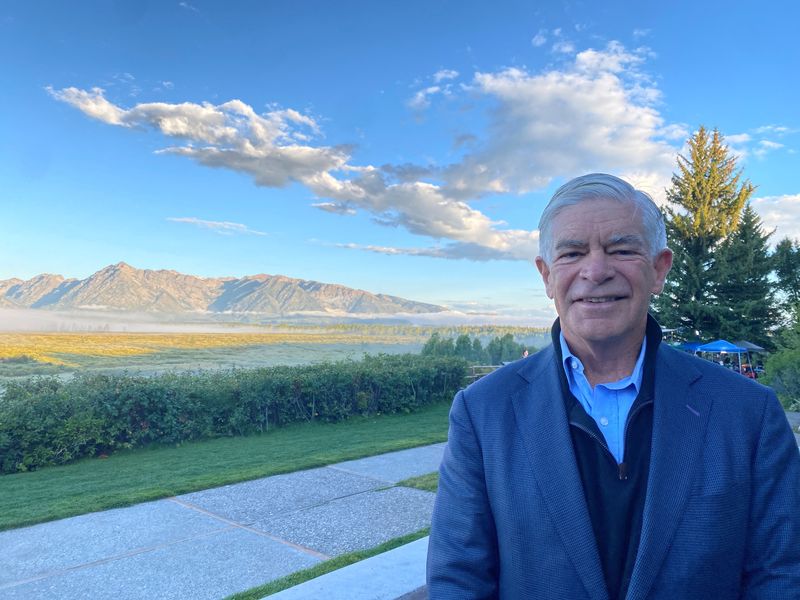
<point>765,146</point>
<point>339,208</point>
<point>222,227</point>
<point>444,75</point>
<point>596,114</point>
<point>591,116</point>
<point>640,33</point>
<point>564,47</point>
<point>738,138</point>
<point>540,39</point>
<point>420,100</point>
<point>91,102</point>
<point>188,6</point>
<point>781,213</point>
<point>779,129</point>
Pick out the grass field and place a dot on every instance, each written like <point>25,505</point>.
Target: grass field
<point>71,349</point>
<point>28,354</point>
<point>24,355</point>
<point>137,476</point>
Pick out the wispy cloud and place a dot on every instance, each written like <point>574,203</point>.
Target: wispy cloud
<point>755,140</point>
<point>444,75</point>
<point>540,39</point>
<point>188,6</point>
<point>766,146</point>
<point>421,99</point>
<point>564,47</point>
<point>221,227</point>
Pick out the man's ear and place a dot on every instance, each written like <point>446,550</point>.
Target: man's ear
<point>544,270</point>
<point>662,265</point>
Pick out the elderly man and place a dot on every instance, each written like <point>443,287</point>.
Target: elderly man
<point>608,465</point>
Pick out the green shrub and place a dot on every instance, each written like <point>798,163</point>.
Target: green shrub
<point>783,375</point>
<point>49,421</point>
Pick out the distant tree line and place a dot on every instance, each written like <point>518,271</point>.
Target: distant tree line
<point>499,350</point>
<point>725,282</point>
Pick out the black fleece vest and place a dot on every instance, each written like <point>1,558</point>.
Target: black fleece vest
<point>615,493</point>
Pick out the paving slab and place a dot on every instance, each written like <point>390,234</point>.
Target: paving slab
<point>216,542</point>
<point>399,573</point>
<point>263,499</point>
<point>397,466</point>
<point>356,522</point>
<point>58,545</point>
<point>208,567</point>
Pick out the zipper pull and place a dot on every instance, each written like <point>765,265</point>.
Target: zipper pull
<point>623,471</point>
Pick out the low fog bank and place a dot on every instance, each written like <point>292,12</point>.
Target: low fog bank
<point>33,320</point>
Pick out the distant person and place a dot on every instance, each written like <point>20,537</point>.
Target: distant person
<point>609,465</point>
<point>525,353</point>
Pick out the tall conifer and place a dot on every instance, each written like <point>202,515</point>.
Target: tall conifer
<point>742,265</point>
<point>704,205</point>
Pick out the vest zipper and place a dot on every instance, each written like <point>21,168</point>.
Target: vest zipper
<point>621,469</point>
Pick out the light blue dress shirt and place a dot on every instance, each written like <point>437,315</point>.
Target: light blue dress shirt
<point>608,403</point>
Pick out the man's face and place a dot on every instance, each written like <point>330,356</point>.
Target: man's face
<point>601,275</point>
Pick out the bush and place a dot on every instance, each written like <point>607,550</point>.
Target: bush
<point>48,421</point>
<point>783,375</point>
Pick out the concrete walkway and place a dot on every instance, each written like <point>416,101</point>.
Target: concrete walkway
<point>217,542</point>
<point>209,544</point>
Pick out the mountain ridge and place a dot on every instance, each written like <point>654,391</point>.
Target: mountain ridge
<point>121,287</point>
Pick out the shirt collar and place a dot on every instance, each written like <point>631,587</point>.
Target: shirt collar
<point>634,378</point>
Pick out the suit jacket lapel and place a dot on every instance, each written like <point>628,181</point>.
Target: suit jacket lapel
<point>542,420</point>
<point>679,423</point>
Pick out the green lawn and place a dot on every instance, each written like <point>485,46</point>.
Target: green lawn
<point>138,476</point>
<point>429,482</point>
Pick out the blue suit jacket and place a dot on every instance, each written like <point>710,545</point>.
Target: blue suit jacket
<point>721,516</point>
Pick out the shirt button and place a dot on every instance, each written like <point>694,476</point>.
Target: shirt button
<point>574,363</point>
<point>604,421</point>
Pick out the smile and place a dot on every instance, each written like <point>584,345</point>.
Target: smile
<point>600,299</point>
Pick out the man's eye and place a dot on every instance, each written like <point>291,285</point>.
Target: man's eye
<point>568,255</point>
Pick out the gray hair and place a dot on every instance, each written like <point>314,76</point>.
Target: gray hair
<point>600,186</point>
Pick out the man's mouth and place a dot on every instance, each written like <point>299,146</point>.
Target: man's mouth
<point>600,299</point>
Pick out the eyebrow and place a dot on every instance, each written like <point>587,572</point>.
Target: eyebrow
<point>627,239</point>
<point>615,240</point>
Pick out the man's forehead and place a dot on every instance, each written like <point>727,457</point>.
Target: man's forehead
<point>605,218</point>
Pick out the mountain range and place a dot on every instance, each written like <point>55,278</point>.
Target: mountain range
<point>121,287</point>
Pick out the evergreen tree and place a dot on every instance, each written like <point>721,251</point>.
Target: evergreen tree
<point>742,265</point>
<point>704,205</point>
<point>479,355</point>
<point>463,347</point>
<point>786,263</point>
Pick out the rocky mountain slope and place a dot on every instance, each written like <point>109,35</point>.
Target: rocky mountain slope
<point>124,288</point>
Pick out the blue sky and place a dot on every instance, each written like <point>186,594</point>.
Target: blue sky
<point>403,148</point>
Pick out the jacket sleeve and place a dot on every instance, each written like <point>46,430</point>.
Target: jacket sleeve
<point>462,550</point>
<point>772,560</point>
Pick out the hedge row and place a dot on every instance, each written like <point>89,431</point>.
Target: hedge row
<point>48,421</point>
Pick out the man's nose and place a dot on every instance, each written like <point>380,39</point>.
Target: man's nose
<point>597,267</point>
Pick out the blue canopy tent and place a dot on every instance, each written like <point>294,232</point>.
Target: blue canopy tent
<point>689,346</point>
<point>724,347</point>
